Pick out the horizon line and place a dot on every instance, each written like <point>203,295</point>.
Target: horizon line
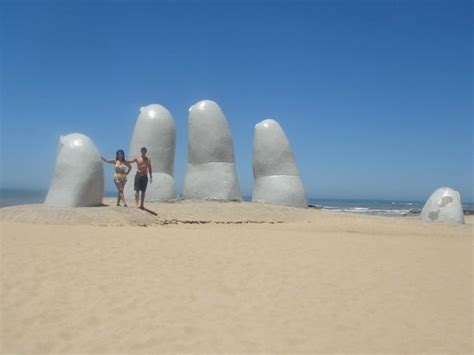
<point>244,197</point>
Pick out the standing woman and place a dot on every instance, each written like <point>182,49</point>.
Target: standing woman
<point>122,168</point>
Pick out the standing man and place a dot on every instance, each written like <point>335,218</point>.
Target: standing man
<point>141,178</point>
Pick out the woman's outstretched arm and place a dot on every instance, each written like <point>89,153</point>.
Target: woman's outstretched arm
<point>111,161</point>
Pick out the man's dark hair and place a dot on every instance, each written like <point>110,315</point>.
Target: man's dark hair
<point>143,150</point>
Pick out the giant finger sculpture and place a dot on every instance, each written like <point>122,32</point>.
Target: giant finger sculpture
<point>156,131</point>
<point>443,206</point>
<point>276,178</point>
<point>210,172</point>
<point>78,179</point>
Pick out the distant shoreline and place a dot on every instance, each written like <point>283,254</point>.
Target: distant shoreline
<point>391,208</point>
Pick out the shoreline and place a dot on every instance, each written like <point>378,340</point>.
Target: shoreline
<point>182,212</point>
<point>389,208</point>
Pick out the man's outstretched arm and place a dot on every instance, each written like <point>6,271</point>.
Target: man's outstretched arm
<point>134,160</point>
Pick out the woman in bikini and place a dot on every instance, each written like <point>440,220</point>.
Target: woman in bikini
<point>122,168</point>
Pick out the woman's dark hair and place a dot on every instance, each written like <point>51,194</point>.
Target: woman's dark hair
<point>120,151</point>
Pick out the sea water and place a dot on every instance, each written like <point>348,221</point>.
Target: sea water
<point>376,207</point>
<point>13,197</point>
<point>373,207</point>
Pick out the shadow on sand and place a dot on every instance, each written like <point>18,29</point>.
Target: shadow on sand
<point>149,211</point>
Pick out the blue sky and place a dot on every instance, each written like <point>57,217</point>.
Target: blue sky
<point>375,96</point>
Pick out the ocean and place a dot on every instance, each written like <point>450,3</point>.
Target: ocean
<point>12,197</point>
<point>373,207</point>
<point>377,207</point>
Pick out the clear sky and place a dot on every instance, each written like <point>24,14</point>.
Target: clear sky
<point>376,97</point>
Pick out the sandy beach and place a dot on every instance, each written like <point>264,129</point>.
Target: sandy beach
<point>232,277</point>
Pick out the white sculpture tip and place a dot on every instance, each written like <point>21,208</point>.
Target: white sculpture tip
<point>203,104</point>
<point>77,142</point>
<point>151,113</point>
<point>73,139</point>
<point>153,110</point>
<point>267,123</point>
<point>445,190</point>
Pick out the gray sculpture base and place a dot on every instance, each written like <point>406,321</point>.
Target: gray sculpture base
<point>211,181</point>
<point>443,206</point>
<point>279,190</point>
<point>162,189</point>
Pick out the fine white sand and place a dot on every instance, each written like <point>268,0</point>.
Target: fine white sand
<point>232,277</point>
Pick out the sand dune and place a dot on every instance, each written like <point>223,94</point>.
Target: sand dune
<point>314,282</point>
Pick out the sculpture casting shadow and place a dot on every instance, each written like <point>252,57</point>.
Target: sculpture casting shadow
<point>149,211</point>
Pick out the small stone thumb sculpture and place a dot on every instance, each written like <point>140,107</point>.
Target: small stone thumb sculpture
<point>443,206</point>
<point>276,178</point>
<point>78,179</point>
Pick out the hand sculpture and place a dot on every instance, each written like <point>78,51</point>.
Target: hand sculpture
<point>211,170</point>
<point>156,131</point>
<point>276,178</point>
<point>78,179</point>
<point>443,206</point>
